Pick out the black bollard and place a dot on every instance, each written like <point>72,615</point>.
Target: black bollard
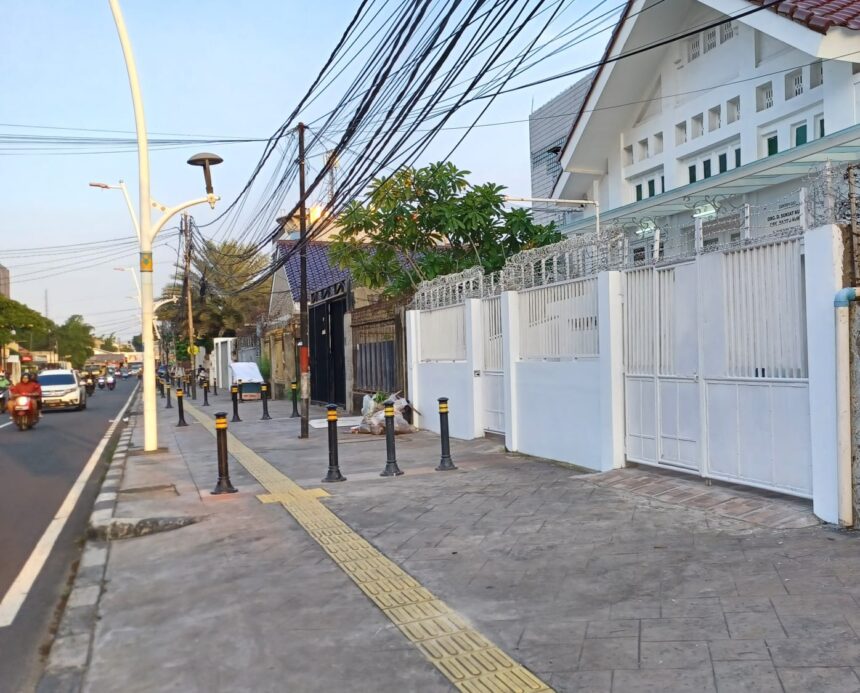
<point>223,485</point>
<point>205,394</point>
<point>264,395</point>
<point>391,468</point>
<point>215,385</point>
<point>179,398</point>
<point>294,390</point>
<point>193,381</point>
<point>445,463</point>
<point>161,387</point>
<point>333,465</point>
<point>234,394</point>
<point>168,405</point>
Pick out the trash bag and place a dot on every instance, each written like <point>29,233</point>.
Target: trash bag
<point>374,416</point>
<point>367,405</point>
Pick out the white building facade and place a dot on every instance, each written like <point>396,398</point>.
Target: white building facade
<point>694,330</point>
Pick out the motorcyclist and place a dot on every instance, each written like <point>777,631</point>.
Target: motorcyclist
<point>29,387</point>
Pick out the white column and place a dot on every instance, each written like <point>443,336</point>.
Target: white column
<point>510,357</point>
<point>412,356</point>
<point>611,345</point>
<point>475,360</point>
<point>823,250</point>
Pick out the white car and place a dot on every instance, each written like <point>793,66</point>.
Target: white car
<point>62,389</point>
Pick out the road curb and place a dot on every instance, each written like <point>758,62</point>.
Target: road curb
<point>72,644</point>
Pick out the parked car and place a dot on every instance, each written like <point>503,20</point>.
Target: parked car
<point>62,389</point>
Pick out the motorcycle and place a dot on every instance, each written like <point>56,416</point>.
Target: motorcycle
<point>101,382</point>
<point>90,386</point>
<point>25,412</point>
<point>111,382</point>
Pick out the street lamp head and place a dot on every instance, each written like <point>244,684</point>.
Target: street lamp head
<point>103,186</point>
<point>206,160</point>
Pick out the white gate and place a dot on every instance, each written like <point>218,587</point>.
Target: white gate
<point>661,373</point>
<point>716,369</point>
<point>492,375</point>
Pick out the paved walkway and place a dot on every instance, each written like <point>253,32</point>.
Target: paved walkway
<point>508,572</point>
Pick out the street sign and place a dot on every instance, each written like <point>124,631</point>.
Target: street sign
<point>194,350</point>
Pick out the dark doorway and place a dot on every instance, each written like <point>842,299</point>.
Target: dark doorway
<point>328,370</point>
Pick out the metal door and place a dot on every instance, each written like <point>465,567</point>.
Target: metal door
<point>493,379</point>
<point>661,366</point>
<point>328,372</point>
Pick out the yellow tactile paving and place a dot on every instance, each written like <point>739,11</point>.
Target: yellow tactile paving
<point>465,657</point>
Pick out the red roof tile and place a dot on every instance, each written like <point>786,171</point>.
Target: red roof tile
<point>820,15</point>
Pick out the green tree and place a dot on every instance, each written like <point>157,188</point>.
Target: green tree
<point>137,342</point>
<point>109,342</point>
<point>422,223</point>
<point>75,338</point>
<point>22,324</point>
<point>218,272</point>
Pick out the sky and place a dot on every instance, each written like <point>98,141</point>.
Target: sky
<point>217,68</point>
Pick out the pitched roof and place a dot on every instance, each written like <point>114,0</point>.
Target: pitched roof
<point>322,273</point>
<point>820,15</point>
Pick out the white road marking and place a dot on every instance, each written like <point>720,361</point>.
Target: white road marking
<point>17,593</point>
<point>8,423</point>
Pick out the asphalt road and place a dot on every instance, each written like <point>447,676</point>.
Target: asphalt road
<point>37,469</point>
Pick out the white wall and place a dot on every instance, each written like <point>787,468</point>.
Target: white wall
<point>456,380</point>
<point>559,411</point>
<point>823,247</point>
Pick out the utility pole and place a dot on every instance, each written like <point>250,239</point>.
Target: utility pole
<point>186,223</point>
<point>304,344</point>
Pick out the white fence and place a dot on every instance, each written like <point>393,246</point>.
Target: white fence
<point>559,321</point>
<point>719,363</point>
<point>765,312</point>
<point>492,314</point>
<point>443,333</point>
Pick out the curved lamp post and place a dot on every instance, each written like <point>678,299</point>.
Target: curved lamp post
<point>149,230</point>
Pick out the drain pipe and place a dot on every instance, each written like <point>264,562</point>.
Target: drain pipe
<point>843,405</point>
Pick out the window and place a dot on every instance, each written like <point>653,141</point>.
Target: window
<point>693,48</point>
<point>644,152</point>
<point>710,39</point>
<point>793,84</point>
<point>698,125</point>
<point>710,242</point>
<point>681,133</point>
<point>628,155</point>
<point>764,96</point>
<point>733,109</point>
<point>723,162</point>
<point>735,237</point>
<point>727,32</point>
<point>816,75</point>
<point>819,125</point>
<point>638,191</point>
<point>692,171</point>
<point>652,188</point>
<point>771,144</point>
<point>662,184</point>
<point>714,118</point>
<point>658,143</point>
<point>706,168</point>
<point>799,134</point>
<point>639,254</point>
<point>737,157</point>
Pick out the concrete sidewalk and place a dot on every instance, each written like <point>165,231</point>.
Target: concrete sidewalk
<point>508,574</point>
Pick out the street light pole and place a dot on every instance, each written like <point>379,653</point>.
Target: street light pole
<point>121,186</point>
<point>148,230</point>
<point>561,201</point>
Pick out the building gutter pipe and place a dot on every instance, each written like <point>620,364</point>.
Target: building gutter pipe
<point>841,303</point>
